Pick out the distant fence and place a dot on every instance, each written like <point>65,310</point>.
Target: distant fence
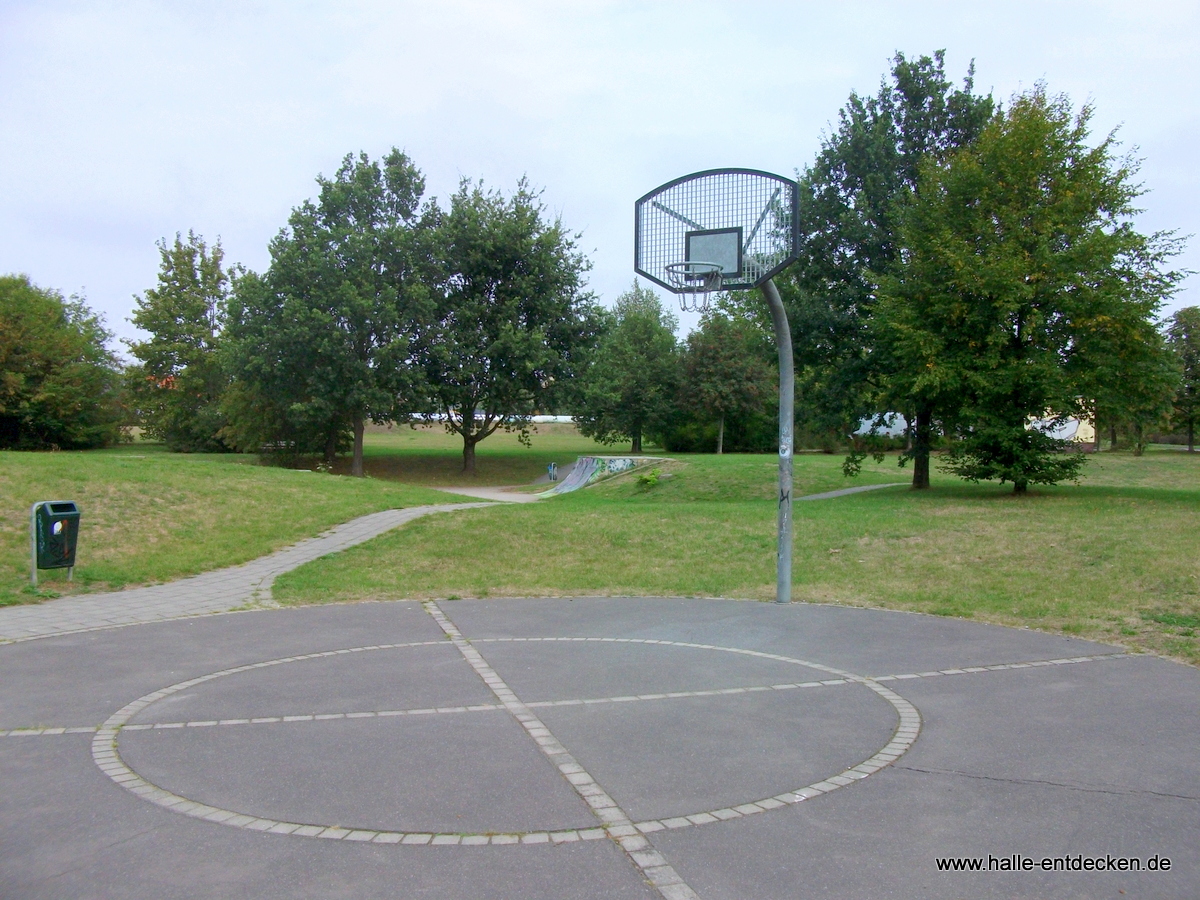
<point>479,416</point>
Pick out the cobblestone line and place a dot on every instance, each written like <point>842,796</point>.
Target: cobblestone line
<point>649,862</point>
<point>211,592</point>
<point>907,729</point>
<point>37,730</point>
<point>1032,664</point>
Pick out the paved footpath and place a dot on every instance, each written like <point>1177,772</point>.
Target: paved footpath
<point>210,592</point>
<point>845,492</point>
<point>498,494</point>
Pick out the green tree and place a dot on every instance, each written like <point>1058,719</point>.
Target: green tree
<point>1015,250</point>
<point>1183,337</point>
<point>327,338</point>
<point>513,318</point>
<point>1124,367</point>
<point>727,371</point>
<point>180,382</point>
<point>848,207</point>
<point>630,388</point>
<point>60,386</point>
<point>1126,375</point>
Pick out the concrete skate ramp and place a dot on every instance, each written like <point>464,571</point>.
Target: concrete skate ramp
<point>590,469</point>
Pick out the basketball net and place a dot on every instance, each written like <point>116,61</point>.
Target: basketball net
<point>694,282</point>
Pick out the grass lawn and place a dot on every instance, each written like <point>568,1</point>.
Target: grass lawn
<point>1113,558</point>
<point>151,516</point>
<point>428,455</point>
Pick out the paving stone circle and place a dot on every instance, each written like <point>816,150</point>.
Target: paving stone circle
<point>106,753</point>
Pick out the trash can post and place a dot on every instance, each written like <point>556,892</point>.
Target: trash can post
<point>53,535</point>
<point>33,566</point>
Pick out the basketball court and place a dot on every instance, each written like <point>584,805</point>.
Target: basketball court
<point>590,748</point>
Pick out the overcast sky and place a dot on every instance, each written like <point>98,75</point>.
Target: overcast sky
<point>124,123</point>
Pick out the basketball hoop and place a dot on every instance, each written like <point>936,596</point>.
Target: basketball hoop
<point>693,281</point>
<point>730,230</point>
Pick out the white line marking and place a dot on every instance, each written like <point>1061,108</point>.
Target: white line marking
<point>105,753</point>
<point>615,820</point>
<point>44,730</point>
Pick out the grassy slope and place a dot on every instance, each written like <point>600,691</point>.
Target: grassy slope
<point>153,516</point>
<point>1112,559</point>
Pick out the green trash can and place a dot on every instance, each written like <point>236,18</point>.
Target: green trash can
<point>54,533</point>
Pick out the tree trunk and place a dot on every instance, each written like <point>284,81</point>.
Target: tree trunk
<point>922,439</point>
<point>721,436</point>
<point>1191,436</point>
<point>1020,487</point>
<point>1112,436</point>
<point>470,438</point>
<point>331,446</point>
<point>637,442</point>
<point>356,466</point>
<point>1097,439</point>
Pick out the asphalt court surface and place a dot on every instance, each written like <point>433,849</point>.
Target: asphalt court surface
<point>589,748</point>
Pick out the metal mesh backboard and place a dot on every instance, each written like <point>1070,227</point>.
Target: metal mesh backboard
<point>740,219</point>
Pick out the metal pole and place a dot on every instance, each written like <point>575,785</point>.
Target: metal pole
<point>33,543</point>
<point>787,419</point>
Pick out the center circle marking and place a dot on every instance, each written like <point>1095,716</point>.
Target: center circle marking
<point>108,759</point>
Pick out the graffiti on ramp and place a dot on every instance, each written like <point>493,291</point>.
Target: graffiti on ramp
<point>590,469</point>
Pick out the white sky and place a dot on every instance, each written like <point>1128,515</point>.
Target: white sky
<point>123,123</point>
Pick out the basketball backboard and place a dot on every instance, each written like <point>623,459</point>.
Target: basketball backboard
<point>741,221</point>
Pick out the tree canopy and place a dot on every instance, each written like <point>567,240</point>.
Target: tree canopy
<point>848,208</point>
<point>60,385</point>
<point>1183,337</point>
<point>727,371</point>
<point>629,391</point>
<point>180,382</point>
<point>1020,285</point>
<point>512,316</point>
<point>326,339</point>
